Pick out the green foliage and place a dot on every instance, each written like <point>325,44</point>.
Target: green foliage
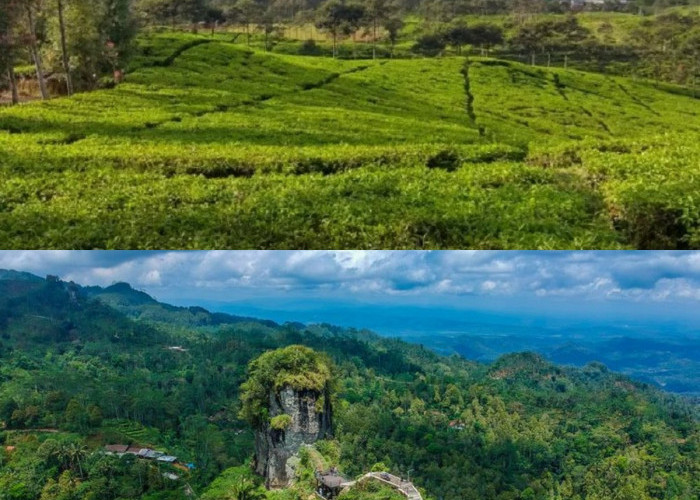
<point>280,422</point>
<point>329,450</point>
<point>379,467</point>
<point>211,144</point>
<point>431,44</point>
<point>371,490</point>
<point>295,366</point>
<point>526,427</point>
<point>236,483</point>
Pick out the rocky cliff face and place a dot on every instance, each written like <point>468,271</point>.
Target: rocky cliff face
<point>296,418</point>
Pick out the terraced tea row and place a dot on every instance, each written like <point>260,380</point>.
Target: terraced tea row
<point>213,144</point>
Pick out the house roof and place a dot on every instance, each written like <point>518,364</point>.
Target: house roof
<point>117,448</point>
<point>331,479</point>
<point>149,453</point>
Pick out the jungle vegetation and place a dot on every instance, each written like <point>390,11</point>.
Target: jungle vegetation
<point>82,367</point>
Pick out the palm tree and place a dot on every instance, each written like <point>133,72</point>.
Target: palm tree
<point>77,452</point>
<point>70,455</point>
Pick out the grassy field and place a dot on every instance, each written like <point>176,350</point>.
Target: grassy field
<point>212,144</point>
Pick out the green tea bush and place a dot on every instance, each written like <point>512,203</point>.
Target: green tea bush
<point>233,147</point>
<point>446,159</point>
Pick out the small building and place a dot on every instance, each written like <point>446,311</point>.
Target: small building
<point>457,425</point>
<point>116,449</point>
<point>330,484</point>
<point>149,453</point>
<point>168,459</point>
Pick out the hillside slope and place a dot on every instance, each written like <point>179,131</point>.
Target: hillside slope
<point>518,428</point>
<point>219,145</point>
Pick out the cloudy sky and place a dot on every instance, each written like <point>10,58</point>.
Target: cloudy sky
<point>337,286</point>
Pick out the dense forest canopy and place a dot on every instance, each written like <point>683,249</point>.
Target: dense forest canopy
<point>85,367</point>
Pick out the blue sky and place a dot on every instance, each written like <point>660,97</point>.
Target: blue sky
<point>352,287</point>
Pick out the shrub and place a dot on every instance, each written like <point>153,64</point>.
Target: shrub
<point>309,48</point>
<point>446,159</point>
<point>281,422</point>
<point>431,44</point>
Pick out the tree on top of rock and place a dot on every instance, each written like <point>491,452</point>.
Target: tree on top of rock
<point>295,366</point>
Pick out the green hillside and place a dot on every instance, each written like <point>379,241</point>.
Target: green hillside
<point>76,374</point>
<point>212,144</point>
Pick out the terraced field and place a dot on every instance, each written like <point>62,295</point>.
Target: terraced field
<point>211,144</point>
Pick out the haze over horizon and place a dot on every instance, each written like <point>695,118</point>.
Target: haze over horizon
<point>404,292</point>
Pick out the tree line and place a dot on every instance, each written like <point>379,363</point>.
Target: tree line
<point>71,43</point>
<point>76,45</point>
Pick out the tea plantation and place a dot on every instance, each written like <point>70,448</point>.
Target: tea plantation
<point>211,144</point>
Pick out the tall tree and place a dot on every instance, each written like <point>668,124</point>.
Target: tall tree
<point>192,11</point>
<point>267,23</point>
<point>8,18</point>
<point>118,29</point>
<point>83,22</point>
<point>29,11</point>
<point>376,12</point>
<point>247,11</point>
<point>392,25</point>
<point>458,35</point>
<point>485,35</point>
<point>338,19</point>
<point>64,50</point>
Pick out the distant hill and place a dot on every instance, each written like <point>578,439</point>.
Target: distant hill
<point>140,305</point>
<point>668,361</point>
<point>10,275</point>
<point>81,368</point>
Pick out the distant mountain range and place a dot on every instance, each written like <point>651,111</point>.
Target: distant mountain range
<point>670,361</point>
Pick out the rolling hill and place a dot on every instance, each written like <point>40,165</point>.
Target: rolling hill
<point>212,144</point>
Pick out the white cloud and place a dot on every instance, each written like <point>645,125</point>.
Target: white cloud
<point>613,276</point>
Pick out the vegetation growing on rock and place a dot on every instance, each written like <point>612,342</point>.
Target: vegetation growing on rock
<point>295,366</point>
<point>280,422</point>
